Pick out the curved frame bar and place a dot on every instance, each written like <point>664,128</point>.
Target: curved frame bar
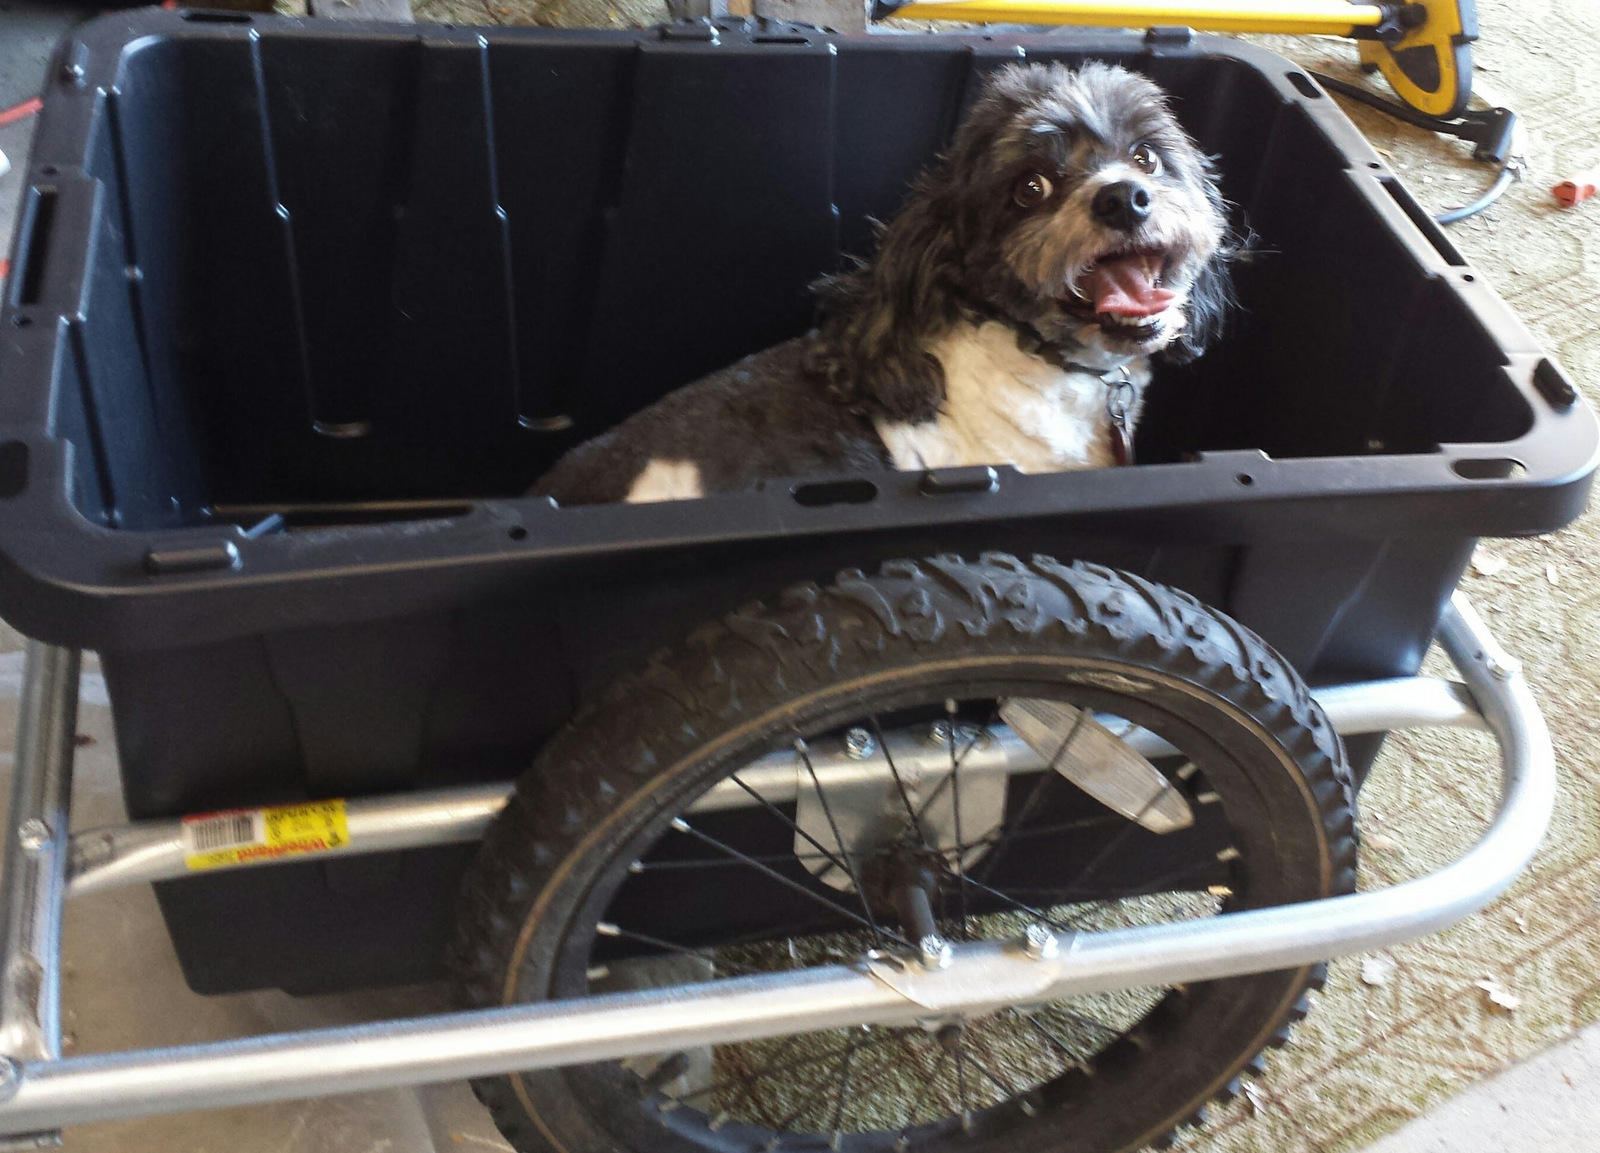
<point>48,1094</point>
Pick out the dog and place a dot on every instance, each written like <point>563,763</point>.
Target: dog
<point>1070,232</point>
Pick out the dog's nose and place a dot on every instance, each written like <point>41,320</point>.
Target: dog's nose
<point>1124,205</point>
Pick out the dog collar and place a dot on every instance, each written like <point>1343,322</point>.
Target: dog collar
<point>1120,393</point>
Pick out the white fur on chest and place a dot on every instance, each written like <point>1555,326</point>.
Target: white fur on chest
<point>1006,406</point>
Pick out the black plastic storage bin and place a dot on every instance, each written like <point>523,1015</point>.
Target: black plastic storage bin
<point>375,279</point>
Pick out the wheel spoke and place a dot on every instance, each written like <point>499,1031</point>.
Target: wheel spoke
<point>838,838</point>
<point>728,862</point>
<point>1057,1043</point>
<point>782,1062</point>
<point>648,866</point>
<point>955,805</point>
<point>1161,884</point>
<point>822,1086</point>
<point>1076,1018</point>
<point>844,1095</point>
<point>805,1102</point>
<point>1056,828</point>
<point>961,1082</point>
<point>1113,844</point>
<point>683,826</point>
<point>1020,906</point>
<point>1007,1089</point>
<point>799,929</point>
<point>1034,796</point>
<point>605,929</point>
<point>1014,829</point>
<point>938,790</point>
<point>930,1084</point>
<point>900,784</point>
<point>784,817</point>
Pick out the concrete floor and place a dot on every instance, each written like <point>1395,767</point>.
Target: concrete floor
<point>122,987</point>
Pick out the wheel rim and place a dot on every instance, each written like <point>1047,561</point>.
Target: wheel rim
<point>881,1087</point>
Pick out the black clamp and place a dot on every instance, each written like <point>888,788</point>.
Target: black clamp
<point>1399,20</point>
<point>1491,132</point>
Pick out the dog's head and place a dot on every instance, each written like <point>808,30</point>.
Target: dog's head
<point>1070,203</point>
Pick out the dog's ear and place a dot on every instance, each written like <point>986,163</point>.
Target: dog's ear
<point>1211,296</point>
<point>871,345</point>
<point>1210,299</point>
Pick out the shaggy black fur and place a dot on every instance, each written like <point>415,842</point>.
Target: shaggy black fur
<point>964,247</point>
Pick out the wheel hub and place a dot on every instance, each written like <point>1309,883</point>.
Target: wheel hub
<point>901,773</point>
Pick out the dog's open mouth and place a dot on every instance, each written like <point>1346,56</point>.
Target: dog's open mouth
<point>1124,293</point>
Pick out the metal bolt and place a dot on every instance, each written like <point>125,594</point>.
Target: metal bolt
<point>858,744</point>
<point>939,733</point>
<point>1039,943</point>
<point>936,952</point>
<point>1502,670</point>
<point>33,834</point>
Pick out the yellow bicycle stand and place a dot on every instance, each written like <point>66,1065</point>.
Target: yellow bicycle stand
<point>1422,47</point>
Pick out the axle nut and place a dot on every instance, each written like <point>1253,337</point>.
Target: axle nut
<point>1039,943</point>
<point>858,744</point>
<point>33,834</point>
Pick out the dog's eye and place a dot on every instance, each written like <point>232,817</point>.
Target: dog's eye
<point>1145,158</point>
<point>1033,191</point>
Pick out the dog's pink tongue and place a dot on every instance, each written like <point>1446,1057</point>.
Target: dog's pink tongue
<point>1127,287</point>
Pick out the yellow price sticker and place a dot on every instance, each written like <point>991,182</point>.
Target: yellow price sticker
<point>245,836</point>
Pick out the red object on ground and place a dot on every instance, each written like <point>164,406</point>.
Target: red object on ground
<point>20,111</point>
<point>1577,189</point>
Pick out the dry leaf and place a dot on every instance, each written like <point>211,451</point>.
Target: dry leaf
<point>1375,970</point>
<point>1381,842</point>
<point>1499,996</point>
<point>1487,564</point>
<point>1257,1099</point>
<point>1552,574</point>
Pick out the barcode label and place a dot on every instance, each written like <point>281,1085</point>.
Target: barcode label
<point>223,831</point>
<point>251,836</point>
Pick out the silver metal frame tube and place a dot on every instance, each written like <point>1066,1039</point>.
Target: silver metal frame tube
<point>153,850</point>
<point>36,855</point>
<point>981,976</point>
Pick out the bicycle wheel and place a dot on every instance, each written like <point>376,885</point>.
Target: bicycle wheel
<point>798,784</point>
